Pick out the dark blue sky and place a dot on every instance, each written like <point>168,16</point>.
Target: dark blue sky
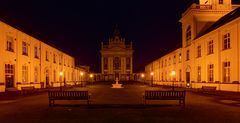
<point>79,26</point>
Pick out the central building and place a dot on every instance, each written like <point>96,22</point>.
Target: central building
<point>116,58</point>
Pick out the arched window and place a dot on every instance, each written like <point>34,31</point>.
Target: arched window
<point>188,35</point>
<point>116,63</point>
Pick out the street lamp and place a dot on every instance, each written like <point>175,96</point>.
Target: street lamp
<point>91,77</point>
<point>81,75</point>
<point>173,73</point>
<point>61,74</point>
<point>142,75</point>
<point>152,78</point>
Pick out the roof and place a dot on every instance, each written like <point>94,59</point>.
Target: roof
<point>24,28</point>
<point>222,21</point>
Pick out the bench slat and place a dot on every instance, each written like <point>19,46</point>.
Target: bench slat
<point>165,95</point>
<point>67,95</point>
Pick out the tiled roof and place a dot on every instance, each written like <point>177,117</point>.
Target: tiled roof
<point>222,21</point>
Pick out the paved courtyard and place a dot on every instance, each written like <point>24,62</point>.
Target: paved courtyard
<point>120,106</point>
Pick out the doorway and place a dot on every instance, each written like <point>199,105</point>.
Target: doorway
<point>188,77</point>
<point>9,75</point>
<point>47,79</point>
<point>117,75</point>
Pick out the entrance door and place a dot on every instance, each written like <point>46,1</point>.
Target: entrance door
<point>117,75</point>
<point>47,78</point>
<point>188,77</point>
<point>9,75</point>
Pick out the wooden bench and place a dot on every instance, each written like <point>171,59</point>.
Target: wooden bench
<point>165,95</point>
<point>67,95</point>
<point>208,89</point>
<point>28,90</point>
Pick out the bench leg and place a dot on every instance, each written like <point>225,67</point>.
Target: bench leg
<point>182,102</point>
<point>51,102</point>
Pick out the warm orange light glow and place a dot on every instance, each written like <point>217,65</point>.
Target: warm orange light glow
<point>91,75</point>
<point>81,73</point>
<point>61,73</point>
<point>151,73</point>
<point>142,75</point>
<point>173,73</point>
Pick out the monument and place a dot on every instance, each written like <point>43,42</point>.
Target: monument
<point>117,85</point>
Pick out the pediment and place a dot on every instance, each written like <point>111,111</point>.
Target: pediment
<point>116,48</point>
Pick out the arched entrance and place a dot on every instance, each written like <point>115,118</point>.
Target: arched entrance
<point>188,70</point>
<point>47,78</point>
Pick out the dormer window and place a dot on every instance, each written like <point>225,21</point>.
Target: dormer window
<point>220,1</point>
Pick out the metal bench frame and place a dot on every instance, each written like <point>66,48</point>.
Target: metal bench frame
<point>165,95</point>
<point>68,95</point>
<point>28,90</point>
<point>208,89</point>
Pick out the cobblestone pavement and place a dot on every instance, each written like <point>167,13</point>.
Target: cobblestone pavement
<point>120,106</point>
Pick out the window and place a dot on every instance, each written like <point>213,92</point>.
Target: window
<point>47,56</point>
<point>220,1</point>
<point>10,43</point>
<point>165,78</point>
<point>54,76</point>
<point>226,41</point>
<point>199,51</point>
<point>162,76</point>
<point>24,73</point>
<point>24,48</point>
<point>169,61</point>
<point>210,47</point>
<point>165,62</point>
<point>36,74</point>
<point>60,59</point>
<point>188,55</point>
<point>54,58</point>
<point>128,62</point>
<point>188,35</point>
<point>174,59</point>
<point>180,75</point>
<point>116,63</point>
<point>36,52</point>
<point>105,62</point>
<point>180,57</point>
<point>210,73</point>
<point>199,74</point>
<point>226,71</point>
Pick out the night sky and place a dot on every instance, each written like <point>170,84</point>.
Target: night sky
<point>79,26</point>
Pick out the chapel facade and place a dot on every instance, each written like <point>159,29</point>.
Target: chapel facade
<point>116,58</point>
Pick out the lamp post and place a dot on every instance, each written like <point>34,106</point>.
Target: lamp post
<point>152,78</point>
<point>81,75</point>
<point>91,78</point>
<point>61,74</point>
<point>143,76</point>
<point>173,73</point>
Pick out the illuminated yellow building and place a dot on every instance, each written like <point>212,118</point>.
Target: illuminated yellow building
<point>27,61</point>
<point>210,49</point>
<point>116,59</point>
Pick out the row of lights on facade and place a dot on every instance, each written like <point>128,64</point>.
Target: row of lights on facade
<point>81,74</point>
<point>173,73</point>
